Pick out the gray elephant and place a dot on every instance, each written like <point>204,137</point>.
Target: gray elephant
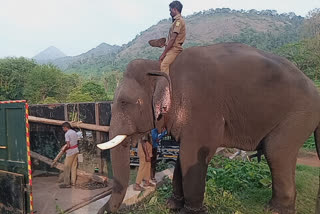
<point>224,95</point>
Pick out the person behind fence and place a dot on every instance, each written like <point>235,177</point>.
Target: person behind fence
<point>156,138</point>
<point>71,161</point>
<point>145,154</point>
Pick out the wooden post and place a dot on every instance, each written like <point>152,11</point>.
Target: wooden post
<point>62,151</point>
<point>98,136</point>
<point>65,110</point>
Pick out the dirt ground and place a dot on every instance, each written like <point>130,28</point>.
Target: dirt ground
<point>304,157</point>
<point>308,158</point>
<point>48,198</point>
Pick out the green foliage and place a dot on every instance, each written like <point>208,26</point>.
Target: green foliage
<point>312,23</point>
<point>310,143</point>
<point>94,90</point>
<point>267,41</point>
<point>13,72</point>
<point>77,96</point>
<point>49,100</point>
<point>111,81</point>
<point>162,165</point>
<point>220,199</point>
<point>44,81</point>
<point>305,54</point>
<point>238,175</point>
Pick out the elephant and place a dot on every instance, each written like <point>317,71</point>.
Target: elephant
<point>222,95</point>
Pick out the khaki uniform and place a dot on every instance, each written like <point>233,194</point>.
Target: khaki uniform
<point>70,168</point>
<point>144,167</point>
<point>179,27</point>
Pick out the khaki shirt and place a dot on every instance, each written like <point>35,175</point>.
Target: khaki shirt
<point>179,27</point>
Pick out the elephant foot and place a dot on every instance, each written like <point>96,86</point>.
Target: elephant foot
<point>189,210</point>
<point>175,203</point>
<point>276,209</point>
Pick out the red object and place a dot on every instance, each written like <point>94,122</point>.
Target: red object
<point>72,147</point>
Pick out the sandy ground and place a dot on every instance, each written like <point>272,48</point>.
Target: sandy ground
<point>48,197</point>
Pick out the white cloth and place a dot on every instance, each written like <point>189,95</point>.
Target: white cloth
<point>72,137</point>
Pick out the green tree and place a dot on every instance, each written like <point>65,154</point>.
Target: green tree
<point>312,23</point>
<point>77,96</point>
<point>42,82</point>
<point>49,100</point>
<point>13,73</point>
<point>302,55</point>
<point>95,90</point>
<point>111,81</point>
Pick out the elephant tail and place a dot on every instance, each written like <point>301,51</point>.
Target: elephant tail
<point>317,139</point>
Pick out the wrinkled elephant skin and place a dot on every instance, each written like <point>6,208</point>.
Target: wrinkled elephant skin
<point>224,95</point>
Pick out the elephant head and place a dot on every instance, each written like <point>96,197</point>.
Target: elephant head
<point>140,100</point>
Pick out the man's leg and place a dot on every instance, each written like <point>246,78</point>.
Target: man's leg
<point>168,60</point>
<point>67,170</point>
<point>140,174</point>
<point>74,170</point>
<point>153,163</point>
<point>141,171</point>
<point>147,175</point>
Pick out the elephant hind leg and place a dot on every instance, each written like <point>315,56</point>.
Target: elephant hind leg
<point>281,148</point>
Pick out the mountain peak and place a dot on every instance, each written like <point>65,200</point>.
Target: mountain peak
<point>50,53</point>
<point>103,49</point>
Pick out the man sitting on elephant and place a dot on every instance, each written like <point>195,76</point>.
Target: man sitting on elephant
<point>176,37</point>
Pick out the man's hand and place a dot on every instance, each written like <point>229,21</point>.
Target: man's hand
<point>148,158</point>
<point>64,148</point>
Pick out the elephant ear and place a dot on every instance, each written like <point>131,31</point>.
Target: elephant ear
<point>162,93</point>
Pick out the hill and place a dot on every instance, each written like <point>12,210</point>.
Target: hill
<point>266,30</point>
<point>94,60</point>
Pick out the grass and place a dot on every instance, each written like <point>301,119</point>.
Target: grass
<point>310,145</point>
<point>237,187</point>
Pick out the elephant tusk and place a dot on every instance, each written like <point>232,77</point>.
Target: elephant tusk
<point>112,143</point>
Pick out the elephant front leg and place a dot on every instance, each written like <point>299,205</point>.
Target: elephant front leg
<point>176,201</point>
<point>194,165</point>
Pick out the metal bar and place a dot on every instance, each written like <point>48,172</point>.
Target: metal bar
<point>3,147</point>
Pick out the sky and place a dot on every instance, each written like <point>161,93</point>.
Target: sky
<point>76,26</point>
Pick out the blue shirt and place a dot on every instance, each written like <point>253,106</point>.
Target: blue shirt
<point>156,137</point>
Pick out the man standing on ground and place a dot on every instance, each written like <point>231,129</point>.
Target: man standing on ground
<point>71,161</point>
<point>145,154</point>
<point>176,37</point>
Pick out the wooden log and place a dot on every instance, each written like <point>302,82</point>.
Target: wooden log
<point>62,151</point>
<point>97,178</point>
<point>80,125</point>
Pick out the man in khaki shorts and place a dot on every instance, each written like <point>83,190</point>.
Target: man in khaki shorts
<point>176,37</point>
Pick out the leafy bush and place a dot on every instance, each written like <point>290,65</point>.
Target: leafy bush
<point>234,175</point>
<point>310,144</point>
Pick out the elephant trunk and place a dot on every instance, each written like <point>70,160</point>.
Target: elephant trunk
<point>120,158</point>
